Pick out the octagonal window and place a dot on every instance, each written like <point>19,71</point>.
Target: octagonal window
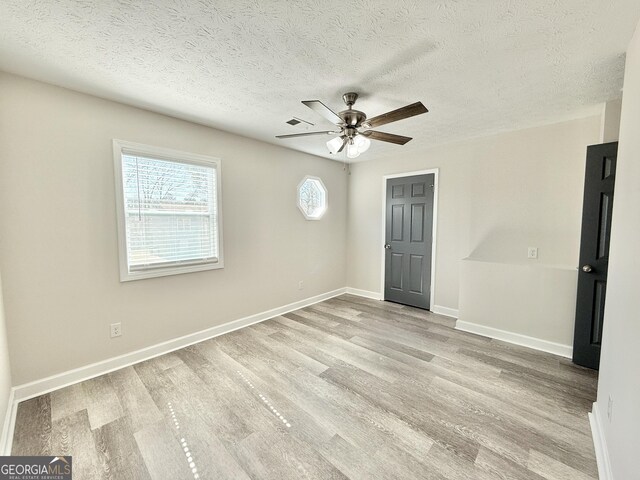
<point>312,198</point>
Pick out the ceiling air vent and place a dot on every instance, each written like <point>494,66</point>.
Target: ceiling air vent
<point>297,121</point>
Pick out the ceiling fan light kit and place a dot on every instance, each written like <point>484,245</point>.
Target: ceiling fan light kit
<point>357,145</point>
<point>335,145</point>
<point>355,132</point>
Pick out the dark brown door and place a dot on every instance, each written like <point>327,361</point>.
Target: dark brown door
<point>597,207</point>
<point>409,231</point>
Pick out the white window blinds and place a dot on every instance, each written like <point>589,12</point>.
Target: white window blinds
<point>170,213</point>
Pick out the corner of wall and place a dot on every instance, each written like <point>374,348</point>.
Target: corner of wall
<point>600,443</point>
<point>8,424</point>
<point>610,121</point>
<point>6,390</point>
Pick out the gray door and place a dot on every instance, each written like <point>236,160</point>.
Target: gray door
<point>409,232</point>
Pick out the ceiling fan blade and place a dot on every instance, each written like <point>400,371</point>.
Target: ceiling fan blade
<point>344,144</point>
<point>321,109</point>
<point>386,137</point>
<point>399,114</point>
<point>291,135</point>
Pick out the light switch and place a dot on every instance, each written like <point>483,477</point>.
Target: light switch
<point>532,253</point>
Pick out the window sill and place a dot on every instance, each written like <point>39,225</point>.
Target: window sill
<point>167,271</point>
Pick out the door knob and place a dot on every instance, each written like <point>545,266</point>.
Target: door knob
<point>387,246</point>
<point>587,269</point>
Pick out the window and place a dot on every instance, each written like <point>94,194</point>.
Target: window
<point>312,198</point>
<point>168,205</point>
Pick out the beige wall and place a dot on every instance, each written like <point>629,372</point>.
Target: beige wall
<point>58,243</point>
<point>5,371</point>
<point>620,358</point>
<point>531,300</point>
<point>498,195</point>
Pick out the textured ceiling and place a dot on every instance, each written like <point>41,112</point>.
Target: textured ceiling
<point>243,66</point>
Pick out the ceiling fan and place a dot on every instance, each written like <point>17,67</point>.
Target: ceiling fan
<point>354,132</point>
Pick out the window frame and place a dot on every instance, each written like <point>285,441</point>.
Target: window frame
<point>121,147</point>
<point>326,197</point>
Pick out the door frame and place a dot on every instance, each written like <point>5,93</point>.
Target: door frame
<point>435,172</point>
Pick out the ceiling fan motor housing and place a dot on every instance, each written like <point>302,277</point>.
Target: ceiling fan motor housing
<point>352,118</point>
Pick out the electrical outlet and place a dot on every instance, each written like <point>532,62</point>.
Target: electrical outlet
<point>609,408</point>
<point>532,253</point>
<point>116,329</point>
<point>300,285</point>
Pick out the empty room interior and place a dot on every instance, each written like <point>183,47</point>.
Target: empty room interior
<point>269,239</point>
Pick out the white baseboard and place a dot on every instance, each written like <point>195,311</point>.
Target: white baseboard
<point>364,293</point>
<point>60,380</point>
<point>446,311</point>
<point>600,444</point>
<point>6,438</point>
<point>516,338</point>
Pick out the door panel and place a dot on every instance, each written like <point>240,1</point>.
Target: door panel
<point>594,253</point>
<point>603,237</point>
<point>415,273</point>
<point>396,271</point>
<point>417,222</point>
<point>409,226</point>
<point>397,191</point>
<point>418,189</point>
<point>397,223</point>
<point>598,312</point>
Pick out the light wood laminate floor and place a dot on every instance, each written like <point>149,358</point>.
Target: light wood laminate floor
<point>347,388</point>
